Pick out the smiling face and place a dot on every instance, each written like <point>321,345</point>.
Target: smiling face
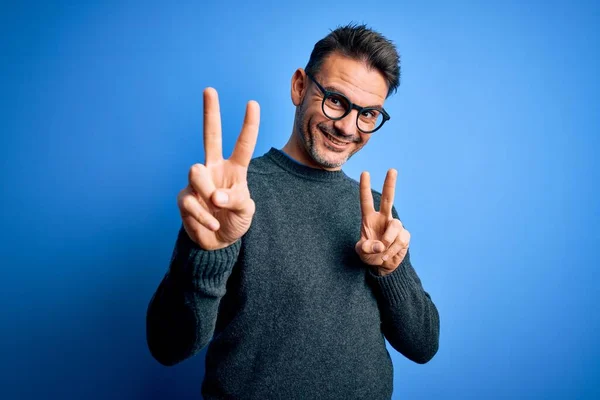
<point>318,141</point>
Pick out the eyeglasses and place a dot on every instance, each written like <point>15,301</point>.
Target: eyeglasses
<point>336,106</point>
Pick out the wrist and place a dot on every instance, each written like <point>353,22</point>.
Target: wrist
<point>383,271</point>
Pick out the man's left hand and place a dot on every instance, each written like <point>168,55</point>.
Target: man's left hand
<point>383,240</point>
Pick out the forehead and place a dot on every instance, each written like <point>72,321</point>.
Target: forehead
<point>355,79</point>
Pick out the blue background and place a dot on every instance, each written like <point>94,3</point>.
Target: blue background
<point>493,132</point>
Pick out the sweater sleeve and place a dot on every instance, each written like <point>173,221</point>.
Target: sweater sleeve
<point>410,320</point>
<point>182,313</point>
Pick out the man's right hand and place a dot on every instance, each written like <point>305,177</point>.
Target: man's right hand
<point>215,206</point>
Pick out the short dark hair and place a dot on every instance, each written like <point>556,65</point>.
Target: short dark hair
<point>360,43</point>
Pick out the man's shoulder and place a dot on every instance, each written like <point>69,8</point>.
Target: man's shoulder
<point>263,165</point>
<point>375,193</point>
<point>356,185</point>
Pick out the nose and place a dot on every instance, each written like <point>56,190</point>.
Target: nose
<point>347,125</point>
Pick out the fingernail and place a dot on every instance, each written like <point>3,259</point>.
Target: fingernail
<point>378,248</point>
<point>221,197</point>
<point>384,258</point>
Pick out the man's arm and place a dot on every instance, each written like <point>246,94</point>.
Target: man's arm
<point>216,211</point>
<point>182,313</point>
<point>410,320</point>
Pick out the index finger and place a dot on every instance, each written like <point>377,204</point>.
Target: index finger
<point>244,147</point>
<point>366,197</point>
<point>213,148</point>
<point>387,195</point>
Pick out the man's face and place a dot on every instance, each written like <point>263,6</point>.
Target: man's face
<point>362,86</point>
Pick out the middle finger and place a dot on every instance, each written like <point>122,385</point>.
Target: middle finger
<point>387,195</point>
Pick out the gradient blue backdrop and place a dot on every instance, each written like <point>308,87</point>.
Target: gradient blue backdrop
<point>493,132</point>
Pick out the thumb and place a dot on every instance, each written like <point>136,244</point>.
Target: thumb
<point>234,199</point>
<point>369,246</point>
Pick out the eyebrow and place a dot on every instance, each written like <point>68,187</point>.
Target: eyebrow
<point>330,88</point>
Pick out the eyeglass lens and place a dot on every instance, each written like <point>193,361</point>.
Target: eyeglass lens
<point>336,106</point>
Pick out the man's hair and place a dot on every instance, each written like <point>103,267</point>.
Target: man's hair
<point>363,44</point>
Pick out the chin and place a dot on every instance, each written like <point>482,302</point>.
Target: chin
<point>316,147</point>
<point>328,158</point>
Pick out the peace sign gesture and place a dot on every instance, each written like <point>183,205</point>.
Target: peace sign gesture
<point>383,240</point>
<point>215,206</point>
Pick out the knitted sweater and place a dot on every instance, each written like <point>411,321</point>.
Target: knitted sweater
<point>290,311</point>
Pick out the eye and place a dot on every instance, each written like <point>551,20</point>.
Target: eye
<point>367,114</point>
<point>370,114</point>
<point>336,101</point>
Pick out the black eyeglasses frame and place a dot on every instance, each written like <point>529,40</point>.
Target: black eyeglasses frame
<point>352,106</point>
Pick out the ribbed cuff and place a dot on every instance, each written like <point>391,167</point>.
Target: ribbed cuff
<point>396,286</point>
<point>208,270</point>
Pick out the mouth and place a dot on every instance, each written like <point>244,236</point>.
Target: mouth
<point>335,143</point>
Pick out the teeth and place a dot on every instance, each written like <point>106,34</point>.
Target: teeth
<point>335,141</point>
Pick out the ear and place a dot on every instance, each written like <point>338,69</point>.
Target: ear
<point>299,84</point>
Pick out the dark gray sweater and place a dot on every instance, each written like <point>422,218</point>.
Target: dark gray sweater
<point>292,311</point>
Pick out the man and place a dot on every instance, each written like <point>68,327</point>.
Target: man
<point>283,260</point>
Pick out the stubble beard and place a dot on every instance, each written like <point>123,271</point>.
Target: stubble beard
<point>308,139</point>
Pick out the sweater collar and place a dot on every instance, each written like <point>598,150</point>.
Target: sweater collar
<point>290,165</point>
